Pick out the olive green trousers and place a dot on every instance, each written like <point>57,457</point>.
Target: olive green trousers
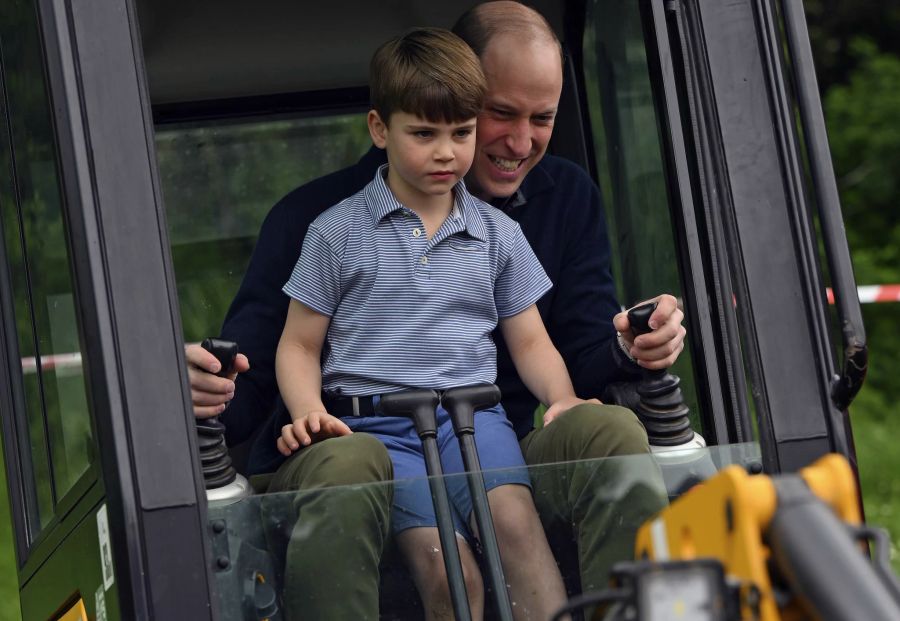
<point>590,509</point>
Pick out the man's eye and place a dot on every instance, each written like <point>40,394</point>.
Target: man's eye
<point>544,119</point>
<point>500,113</point>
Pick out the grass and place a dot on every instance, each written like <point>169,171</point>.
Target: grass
<point>879,465</point>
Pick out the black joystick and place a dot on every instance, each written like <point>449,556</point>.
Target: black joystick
<point>661,406</point>
<point>214,459</point>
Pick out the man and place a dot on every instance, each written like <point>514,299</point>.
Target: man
<point>559,210</point>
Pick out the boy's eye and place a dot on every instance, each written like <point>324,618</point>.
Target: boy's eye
<point>423,133</point>
<point>462,133</point>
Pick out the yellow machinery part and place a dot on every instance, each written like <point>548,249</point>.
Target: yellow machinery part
<point>725,518</point>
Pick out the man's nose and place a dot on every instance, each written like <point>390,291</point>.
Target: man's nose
<point>518,140</point>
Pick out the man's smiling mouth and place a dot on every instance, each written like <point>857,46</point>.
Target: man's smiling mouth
<point>504,164</point>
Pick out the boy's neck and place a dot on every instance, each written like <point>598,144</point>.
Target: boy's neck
<point>433,209</point>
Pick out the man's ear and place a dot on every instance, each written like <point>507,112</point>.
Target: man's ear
<point>377,129</point>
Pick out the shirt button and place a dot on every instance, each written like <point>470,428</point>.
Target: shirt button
<point>424,260</point>
<point>417,232</point>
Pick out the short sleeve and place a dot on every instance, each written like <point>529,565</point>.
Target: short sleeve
<point>316,279</point>
<point>521,280</point>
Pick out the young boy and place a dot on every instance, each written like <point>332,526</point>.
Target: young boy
<point>401,286</point>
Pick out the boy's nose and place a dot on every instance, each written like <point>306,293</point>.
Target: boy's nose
<point>444,151</point>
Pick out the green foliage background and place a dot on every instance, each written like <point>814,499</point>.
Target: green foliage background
<point>864,121</point>
<point>857,50</point>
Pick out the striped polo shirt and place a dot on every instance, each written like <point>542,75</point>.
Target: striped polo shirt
<point>407,311</point>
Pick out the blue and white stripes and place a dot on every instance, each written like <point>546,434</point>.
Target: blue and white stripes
<point>407,311</point>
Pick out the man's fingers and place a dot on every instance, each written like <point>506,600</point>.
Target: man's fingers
<point>207,381</point>
<point>208,411</point>
<point>666,331</point>
<point>241,365</point>
<point>661,357</point>
<point>665,306</point>
<point>206,397</point>
<point>202,359</point>
<point>658,338</point>
<point>620,322</point>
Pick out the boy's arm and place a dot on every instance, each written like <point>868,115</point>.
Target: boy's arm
<point>538,362</point>
<point>297,367</point>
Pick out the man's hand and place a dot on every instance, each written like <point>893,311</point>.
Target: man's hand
<point>564,405</point>
<point>658,349</point>
<point>308,428</point>
<point>210,393</point>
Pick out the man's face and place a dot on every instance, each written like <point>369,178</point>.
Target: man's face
<point>524,80</point>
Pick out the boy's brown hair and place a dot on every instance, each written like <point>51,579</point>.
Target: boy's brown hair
<point>429,72</point>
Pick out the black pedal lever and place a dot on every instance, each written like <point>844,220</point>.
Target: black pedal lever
<point>420,406</point>
<point>462,403</point>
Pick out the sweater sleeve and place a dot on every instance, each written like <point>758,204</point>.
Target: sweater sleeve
<point>256,318</point>
<point>580,318</point>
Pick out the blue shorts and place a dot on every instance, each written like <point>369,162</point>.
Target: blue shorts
<point>498,447</point>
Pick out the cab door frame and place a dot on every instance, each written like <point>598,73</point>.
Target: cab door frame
<point>128,311</point>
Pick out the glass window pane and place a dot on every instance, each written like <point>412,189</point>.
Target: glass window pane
<point>219,181</point>
<point>630,162</point>
<point>37,253</point>
<point>272,531</point>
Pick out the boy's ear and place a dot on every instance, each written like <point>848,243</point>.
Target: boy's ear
<point>377,129</point>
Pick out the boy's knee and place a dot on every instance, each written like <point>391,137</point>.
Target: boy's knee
<point>436,587</point>
<point>605,430</point>
<point>515,518</point>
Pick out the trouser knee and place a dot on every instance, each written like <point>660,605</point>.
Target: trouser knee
<point>604,430</point>
<point>355,459</point>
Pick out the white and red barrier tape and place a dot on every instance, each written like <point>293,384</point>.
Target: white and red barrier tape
<point>868,294</point>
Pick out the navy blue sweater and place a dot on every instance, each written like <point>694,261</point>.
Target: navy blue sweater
<point>560,211</point>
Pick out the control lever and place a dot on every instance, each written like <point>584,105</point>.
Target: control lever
<point>420,405</point>
<point>661,407</point>
<point>462,403</point>
<point>214,459</point>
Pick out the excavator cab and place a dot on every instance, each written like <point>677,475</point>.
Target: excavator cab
<point>143,142</point>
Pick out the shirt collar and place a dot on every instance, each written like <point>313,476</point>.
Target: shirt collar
<point>537,181</point>
<point>381,202</point>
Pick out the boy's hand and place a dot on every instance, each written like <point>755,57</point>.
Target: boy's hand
<point>308,428</point>
<point>564,405</point>
<point>210,393</point>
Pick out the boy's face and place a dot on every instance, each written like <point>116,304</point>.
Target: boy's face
<point>426,159</point>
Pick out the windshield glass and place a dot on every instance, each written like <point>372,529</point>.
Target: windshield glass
<point>252,536</point>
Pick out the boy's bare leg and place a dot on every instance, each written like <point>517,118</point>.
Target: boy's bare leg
<point>421,548</point>
<point>535,585</point>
